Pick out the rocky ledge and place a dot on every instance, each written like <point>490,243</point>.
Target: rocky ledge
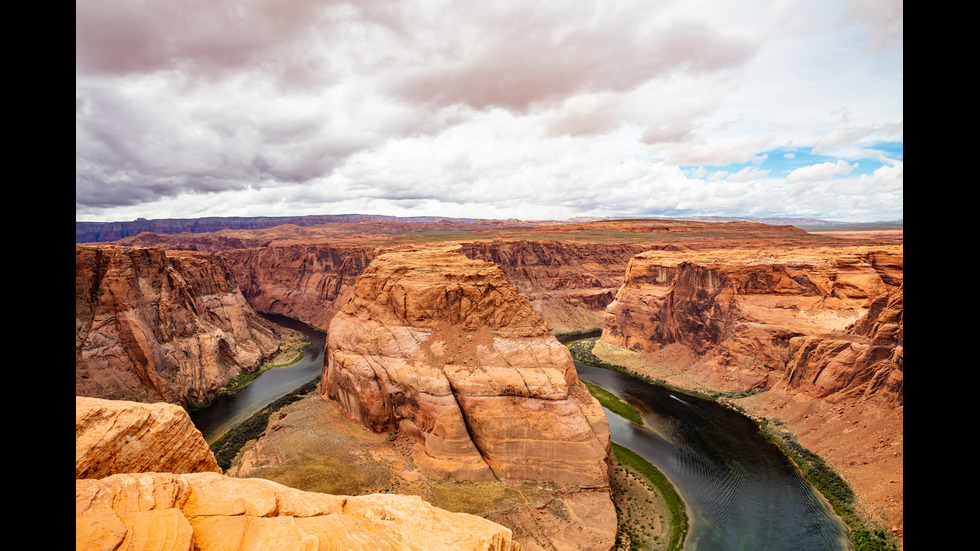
<point>210,511</point>
<point>116,436</point>
<point>186,505</point>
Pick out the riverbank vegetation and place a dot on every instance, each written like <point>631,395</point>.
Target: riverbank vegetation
<point>227,447</point>
<point>658,522</point>
<point>614,404</point>
<point>833,487</point>
<point>813,468</point>
<point>290,352</point>
<point>638,528</point>
<point>581,351</point>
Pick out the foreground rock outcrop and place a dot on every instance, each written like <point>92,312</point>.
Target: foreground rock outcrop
<point>184,504</point>
<point>210,511</point>
<point>115,436</point>
<point>740,317</point>
<point>154,325</point>
<point>443,348</point>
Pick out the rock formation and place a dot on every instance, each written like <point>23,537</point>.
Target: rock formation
<point>746,313</point>
<point>308,282</point>
<point>209,511</point>
<point>115,436</point>
<point>867,359</point>
<point>154,325</point>
<point>569,284</point>
<point>117,506</point>
<point>570,272</point>
<point>442,347</point>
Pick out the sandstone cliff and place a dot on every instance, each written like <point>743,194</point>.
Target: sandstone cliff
<point>743,315</point>
<point>821,328</point>
<point>153,325</point>
<point>118,506</point>
<point>866,360</point>
<point>568,283</point>
<point>442,347</point>
<point>570,272</point>
<point>308,282</point>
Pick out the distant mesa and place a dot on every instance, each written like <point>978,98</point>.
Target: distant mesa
<point>94,232</point>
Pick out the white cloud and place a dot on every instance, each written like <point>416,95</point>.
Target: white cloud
<point>821,171</point>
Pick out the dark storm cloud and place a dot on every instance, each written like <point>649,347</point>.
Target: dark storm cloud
<point>125,37</point>
<point>530,59</point>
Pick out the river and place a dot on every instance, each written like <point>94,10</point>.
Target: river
<point>741,491</point>
<point>227,411</point>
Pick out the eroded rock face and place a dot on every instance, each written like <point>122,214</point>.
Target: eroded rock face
<point>153,325</point>
<point>867,360</point>
<point>308,282</point>
<point>115,436</point>
<point>145,479</point>
<point>751,315</point>
<point>442,347</point>
<point>210,511</point>
<point>568,283</point>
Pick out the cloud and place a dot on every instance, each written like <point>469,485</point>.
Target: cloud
<point>532,54</point>
<point>560,107</point>
<point>884,20</point>
<point>821,171</point>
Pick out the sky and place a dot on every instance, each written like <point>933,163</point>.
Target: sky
<point>542,110</point>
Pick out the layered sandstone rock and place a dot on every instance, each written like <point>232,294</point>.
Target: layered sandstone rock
<point>209,511</point>
<point>153,325</point>
<point>145,479</point>
<point>743,312</point>
<point>308,282</point>
<point>569,283</point>
<point>115,436</point>
<point>442,347</point>
<point>570,272</point>
<point>868,359</point>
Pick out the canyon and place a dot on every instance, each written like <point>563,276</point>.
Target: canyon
<point>807,339</point>
<point>755,318</point>
<point>807,327</point>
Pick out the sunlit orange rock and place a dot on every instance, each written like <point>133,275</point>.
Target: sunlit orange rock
<point>746,313</point>
<point>212,512</point>
<point>116,436</point>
